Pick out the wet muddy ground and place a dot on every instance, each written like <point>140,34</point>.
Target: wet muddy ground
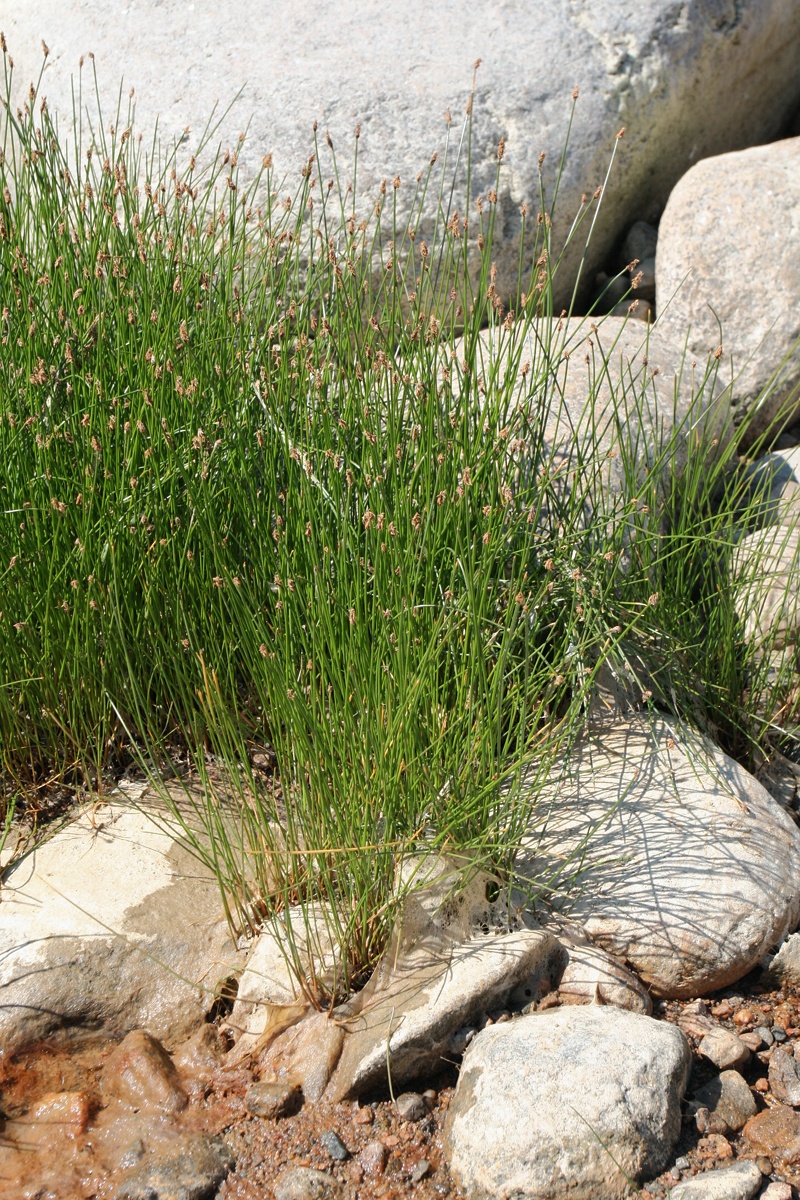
<point>101,1121</point>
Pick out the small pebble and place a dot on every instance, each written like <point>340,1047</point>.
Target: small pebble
<point>430,1097</point>
<point>411,1107</point>
<point>764,1164</point>
<point>420,1170</point>
<point>723,1009</point>
<point>682,1163</point>
<point>271,1099</point>
<point>777,1190</point>
<point>364,1116</point>
<point>304,1183</point>
<point>761,1085</point>
<point>373,1158</point>
<point>334,1146</point>
<point>778,1034</point>
<point>743,1017</point>
<point>765,1033</point>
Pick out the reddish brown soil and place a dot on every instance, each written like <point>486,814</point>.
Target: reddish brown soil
<point>265,1149</point>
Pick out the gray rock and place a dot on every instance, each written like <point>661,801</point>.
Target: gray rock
<point>411,1107</point>
<point>740,1181</point>
<point>672,856</point>
<point>636,307</point>
<point>651,67</point>
<point>334,1146</point>
<point>728,1097</point>
<point>725,1049</point>
<point>271,1098</point>
<point>76,953</point>
<point>645,273</point>
<point>700,237</point>
<point>192,1170</point>
<point>420,1170</point>
<point>304,1183</point>
<point>784,1076</point>
<point>640,242</point>
<point>571,1102</point>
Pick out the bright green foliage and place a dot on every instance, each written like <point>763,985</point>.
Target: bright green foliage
<point>255,493</point>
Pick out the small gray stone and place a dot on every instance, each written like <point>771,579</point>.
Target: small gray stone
<point>271,1099</point>
<point>778,1034</point>
<point>304,1183</point>
<point>420,1170</point>
<point>765,1033</point>
<point>682,1163</point>
<point>728,1097</point>
<point>784,1077</point>
<point>334,1146</point>
<point>725,1049</point>
<point>192,1169</point>
<point>640,242</point>
<point>411,1107</point>
<point>738,1182</point>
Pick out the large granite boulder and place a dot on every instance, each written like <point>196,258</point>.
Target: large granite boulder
<point>109,926</point>
<point>729,254</point>
<point>670,854</point>
<point>656,67</point>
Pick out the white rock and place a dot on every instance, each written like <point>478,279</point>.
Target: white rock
<point>651,67</point>
<point>740,1181</point>
<point>725,1049</point>
<point>109,926</point>
<point>270,997</point>
<point>536,1097</point>
<point>612,385</point>
<point>593,977</point>
<point>704,259</point>
<point>671,855</point>
<point>766,566</point>
<point>785,966</point>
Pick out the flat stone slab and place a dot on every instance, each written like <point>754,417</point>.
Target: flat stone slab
<point>572,1102</point>
<point>672,857</point>
<point>656,68</point>
<point>404,1018</point>
<point>110,925</point>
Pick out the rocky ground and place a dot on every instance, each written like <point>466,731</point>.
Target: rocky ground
<point>372,1148</point>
